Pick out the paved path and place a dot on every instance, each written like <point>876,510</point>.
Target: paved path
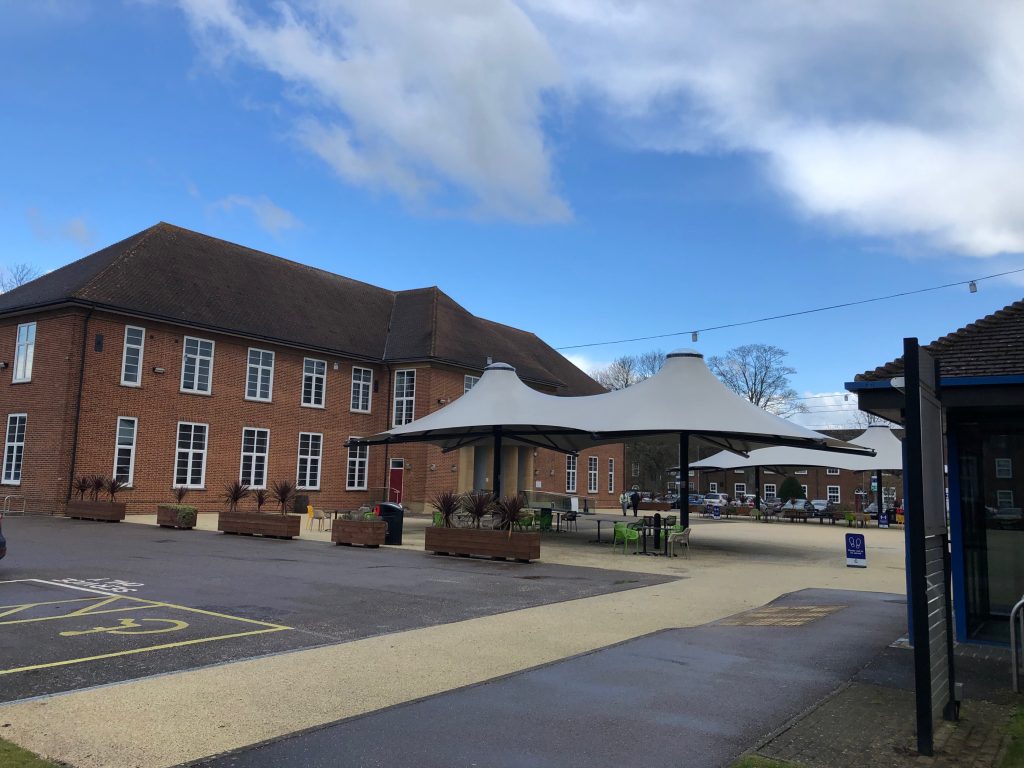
<point>693,697</point>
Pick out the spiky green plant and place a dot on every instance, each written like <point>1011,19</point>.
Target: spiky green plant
<point>506,511</point>
<point>447,504</point>
<point>476,505</point>
<point>283,490</point>
<point>112,486</point>
<point>234,492</point>
<point>83,485</point>
<point>180,492</point>
<point>97,484</point>
<point>260,495</point>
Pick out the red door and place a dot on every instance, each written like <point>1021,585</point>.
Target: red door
<point>395,482</point>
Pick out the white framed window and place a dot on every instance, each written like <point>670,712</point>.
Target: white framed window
<point>358,458</point>
<point>570,472</point>
<point>800,472</point>
<point>712,487</point>
<point>14,448</point>
<point>804,489</point>
<point>739,490</point>
<point>255,447</point>
<point>1004,469</point>
<point>197,366</point>
<point>124,449</point>
<point>592,474</point>
<point>190,464</point>
<point>468,383</point>
<point>611,475</point>
<point>832,493</point>
<point>314,382</point>
<point>24,352</point>
<point>769,491</point>
<point>362,389</point>
<point>635,469</point>
<point>259,381</point>
<point>690,473</point>
<point>405,397</point>
<point>832,471</point>
<point>131,358</point>
<point>738,471</point>
<point>1003,498</point>
<point>310,448</point>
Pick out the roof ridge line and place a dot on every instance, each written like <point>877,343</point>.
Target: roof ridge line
<point>148,233</point>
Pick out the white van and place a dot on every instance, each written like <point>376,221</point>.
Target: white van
<point>715,499</point>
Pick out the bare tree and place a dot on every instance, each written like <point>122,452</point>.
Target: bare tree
<point>864,420</point>
<point>15,275</point>
<point>758,372</point>
<point>649,363</point>
<point>620,374</point>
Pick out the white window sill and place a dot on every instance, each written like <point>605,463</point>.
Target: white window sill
<point>11,482</point>
<point>311,405</point>
<point>359,410</point>
<point>307,488</point>
<point>184,391</point>
<point>350,488</point>
<point>259,399</point>
<point>130,385</point>
<point>21,381</point>
<point>189,487</point>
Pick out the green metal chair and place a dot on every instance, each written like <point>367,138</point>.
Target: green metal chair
<point>526,521</point>
<point>438,519</point>
<point>624,534</point>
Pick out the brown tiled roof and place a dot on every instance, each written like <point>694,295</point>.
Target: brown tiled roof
<point>180,276</point>
<point>991,346</point>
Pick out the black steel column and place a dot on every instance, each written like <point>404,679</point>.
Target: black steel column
<point>878,493</point>
<point>684,479</point>
<point>496,478</point>
<point>757,488</point>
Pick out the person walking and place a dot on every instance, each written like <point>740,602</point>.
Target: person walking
<point>624,502</point>
<point>634,499</point>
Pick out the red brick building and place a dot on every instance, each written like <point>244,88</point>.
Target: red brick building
<point>173,358</point>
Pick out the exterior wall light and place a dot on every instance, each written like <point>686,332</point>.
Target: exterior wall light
<point>157,369</point>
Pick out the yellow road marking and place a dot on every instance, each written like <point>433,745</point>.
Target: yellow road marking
<point>128,624</point>
<point>23,606</point>
<point>179,644</point>
<point>65,616</point>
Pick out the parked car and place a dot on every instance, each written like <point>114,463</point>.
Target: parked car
<point>716,499</point>
<point>819,506</point>
<point>3,541</point>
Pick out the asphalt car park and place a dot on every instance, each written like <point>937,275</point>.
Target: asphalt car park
<point>84,603</point>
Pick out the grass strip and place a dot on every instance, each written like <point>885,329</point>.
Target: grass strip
<point>12,756</point>
<point>1014,757</point>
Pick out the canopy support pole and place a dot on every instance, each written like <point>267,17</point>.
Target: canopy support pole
<point>496,476</point>
<point>878,492</point>
<point>684,479</point>
<point>757,488</point>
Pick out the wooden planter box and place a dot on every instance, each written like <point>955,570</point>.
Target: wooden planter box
<point>273,525</point>
<point>368,533</point>
<point>655,506</point>
<point>107,511</point>
<point>167,517</point>
<point>522,547</point>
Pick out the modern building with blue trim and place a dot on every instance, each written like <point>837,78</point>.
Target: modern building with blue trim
<point>981,369</point>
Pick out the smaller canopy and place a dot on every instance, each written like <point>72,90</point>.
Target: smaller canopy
<point>887,447</point>
<point>500,401</point>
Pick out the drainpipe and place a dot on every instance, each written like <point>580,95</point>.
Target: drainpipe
<point>78,406</point>
<point>387,446</point>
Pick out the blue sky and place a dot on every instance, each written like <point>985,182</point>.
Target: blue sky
<point>586,169</point>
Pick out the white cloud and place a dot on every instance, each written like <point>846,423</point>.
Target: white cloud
<point>439,101</point>
<point>272,218</point>
<point>587,364</point>
<point>898,120</point>
<point>75,229</point>
<point>891,119</point>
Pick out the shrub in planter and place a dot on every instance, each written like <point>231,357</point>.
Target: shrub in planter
<point>502,543</point>
<point>176,516</point>
<point>446,504</point>
<point>92,508</point>
<point>476,506</point>
<point>283,526</point>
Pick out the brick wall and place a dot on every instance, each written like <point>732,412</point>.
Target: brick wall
<point>159,405</point>
<point>49,399</point>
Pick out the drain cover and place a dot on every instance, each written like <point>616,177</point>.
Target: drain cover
<point>781,616</point>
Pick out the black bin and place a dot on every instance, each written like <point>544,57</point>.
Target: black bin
<point>301,501</point>
<point>394,516</point>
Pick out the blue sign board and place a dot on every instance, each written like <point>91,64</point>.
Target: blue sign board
<point>856,551</point>
<point>716,512</point>
<point>883,519</point>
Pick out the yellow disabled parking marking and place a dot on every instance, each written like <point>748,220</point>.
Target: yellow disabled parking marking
<point>99,604</point>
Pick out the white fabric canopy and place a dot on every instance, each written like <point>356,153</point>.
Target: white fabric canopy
<point>888,455</point>
<point>683,398</point>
